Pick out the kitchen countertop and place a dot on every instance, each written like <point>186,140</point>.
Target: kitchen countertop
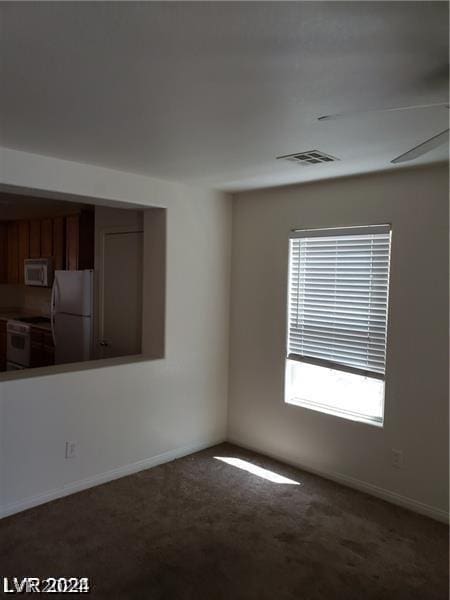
<point>13,313</point>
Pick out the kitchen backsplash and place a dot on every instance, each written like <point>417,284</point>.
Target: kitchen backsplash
<point>33,299</point>
<point>11,296</point>
<point>37,300</point>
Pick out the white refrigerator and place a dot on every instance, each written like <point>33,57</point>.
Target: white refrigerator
<point>72,315</point>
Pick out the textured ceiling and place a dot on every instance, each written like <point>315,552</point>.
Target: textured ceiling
<point>210,92</point>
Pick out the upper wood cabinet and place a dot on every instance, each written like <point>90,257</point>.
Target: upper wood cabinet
<point>20,240</point>
<point>59,239</point>
<point>24,246</point>
<point>68,240</point>
<point>72,242</point>
<point>46,238</point>
<point>13,252</point>
<point>80,241</point>
<point>14,249</point>
<point>35,239</point>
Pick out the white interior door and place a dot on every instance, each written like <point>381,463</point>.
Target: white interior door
<point>120,328</point>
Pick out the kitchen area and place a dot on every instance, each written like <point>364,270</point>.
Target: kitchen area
<point>46,282</point>
<point>71,281</point>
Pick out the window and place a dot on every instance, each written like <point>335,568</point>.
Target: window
<point>337,320</point>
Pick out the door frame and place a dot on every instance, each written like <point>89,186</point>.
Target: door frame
<point>104,231</point>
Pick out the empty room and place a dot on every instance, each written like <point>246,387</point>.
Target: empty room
<point>224,300</point>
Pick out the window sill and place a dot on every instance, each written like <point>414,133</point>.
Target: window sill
<point>335,412</point>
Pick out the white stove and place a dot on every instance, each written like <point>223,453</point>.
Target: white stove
<point>18,341</point>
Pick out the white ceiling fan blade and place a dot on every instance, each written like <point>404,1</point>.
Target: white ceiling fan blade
<point>346,115</point>
<point>423,148</point>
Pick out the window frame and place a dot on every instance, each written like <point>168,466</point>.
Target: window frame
<point>317,406</point>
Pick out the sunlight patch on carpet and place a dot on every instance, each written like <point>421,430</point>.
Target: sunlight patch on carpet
<point>255,470</point>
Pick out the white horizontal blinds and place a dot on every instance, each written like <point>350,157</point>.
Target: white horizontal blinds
<point>338,298</point>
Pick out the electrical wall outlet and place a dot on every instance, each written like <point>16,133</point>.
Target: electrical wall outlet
<point>397,458</point>
<point>71,449</point>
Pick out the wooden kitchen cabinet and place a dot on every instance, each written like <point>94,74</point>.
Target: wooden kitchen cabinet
<point>46,238</point>
<point>68,240</point>
<point>2,345</point>
<point>42,350</point>
<point>59,238</point>
<point>13,252</point>
<point>35,347</point>
<point>35,239</point>
<point>72,242</point>
<point>24,246</point>
<point>3,253</point>
<point>48,349</point>
<point>14,249</point>
<point>20,240</point>
<point>80,241</point>
<point>35,355</point>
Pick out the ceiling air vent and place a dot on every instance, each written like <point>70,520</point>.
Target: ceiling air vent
<point>311,157</point>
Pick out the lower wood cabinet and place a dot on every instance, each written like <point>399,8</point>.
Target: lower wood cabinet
<point>42,350</point>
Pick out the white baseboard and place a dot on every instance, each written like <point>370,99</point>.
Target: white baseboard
<point>83,484</point>
<point>147,463</point>
<point>357,484</point>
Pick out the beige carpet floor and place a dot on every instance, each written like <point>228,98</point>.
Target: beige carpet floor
<point>201,529</point>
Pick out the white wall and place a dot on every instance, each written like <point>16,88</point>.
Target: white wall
<point>129,416</point>
<point>126,416</point>
<point>416,416</point>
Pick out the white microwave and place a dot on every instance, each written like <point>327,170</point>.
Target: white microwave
<point>38,272</point>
